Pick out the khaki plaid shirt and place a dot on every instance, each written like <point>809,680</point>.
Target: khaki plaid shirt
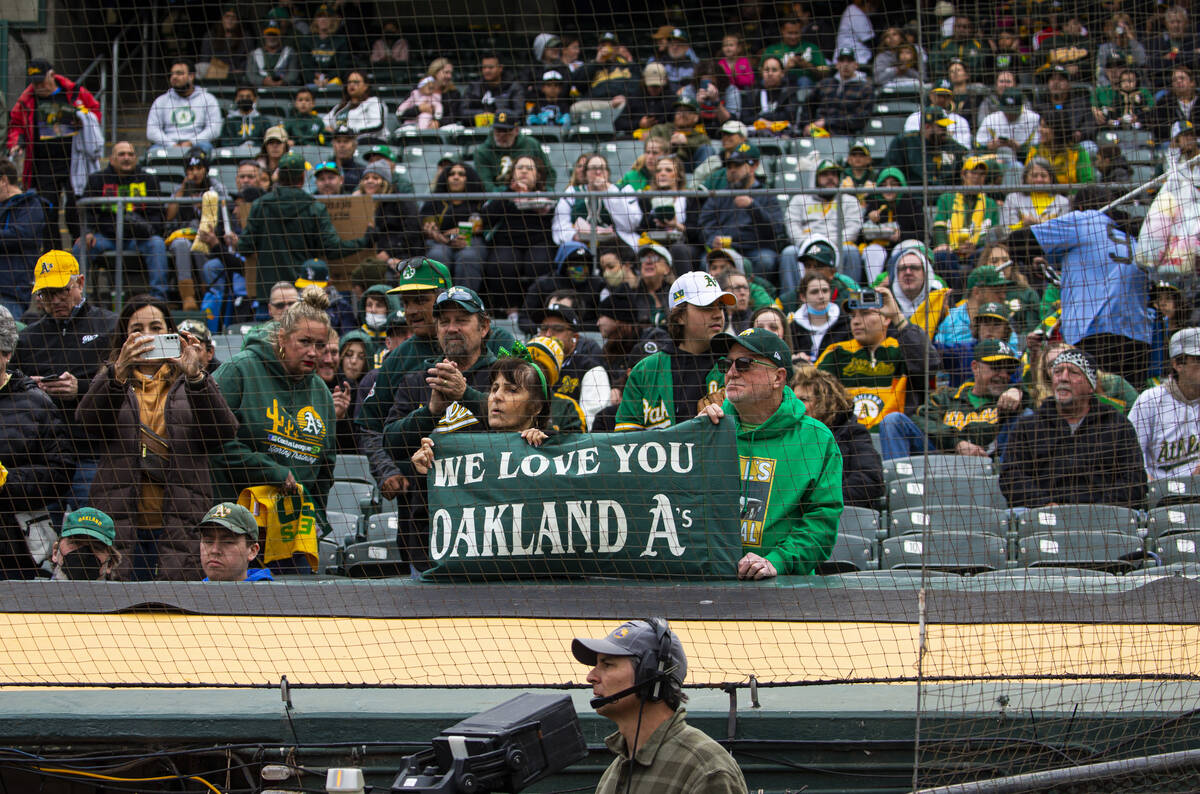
<point>676,758</point>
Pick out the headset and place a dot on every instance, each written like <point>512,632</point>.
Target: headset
<point>654,668</point>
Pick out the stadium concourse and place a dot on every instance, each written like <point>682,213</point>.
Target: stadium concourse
<point>371,352</point>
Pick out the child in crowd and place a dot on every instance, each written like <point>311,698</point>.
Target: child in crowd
<point>550,109</point>
<point>734,63</point>
<point>428,100</point>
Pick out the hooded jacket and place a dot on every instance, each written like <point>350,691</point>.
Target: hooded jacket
<point>791,473</point>
<point>758,226</point>
<point>286,227</point>
<point>491,161</point>
<point>862,467</point>
<point>924,310</point>
<point>803,331</point>
<point>239,128</point>
<point>22,231</point>
<point>1099,463</point>
<point>285,425</point>
<point>809,214</point>
<point>539,293</point>
<point>21,117</point>
<point>198,423</point>
<point>174,118</point>
<point>905,213</point>
<point>34,447</point>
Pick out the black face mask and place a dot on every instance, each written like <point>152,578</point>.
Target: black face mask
<point>81,565</point>
<point>245,105</point>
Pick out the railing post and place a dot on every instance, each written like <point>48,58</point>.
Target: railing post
<point>119,284</point>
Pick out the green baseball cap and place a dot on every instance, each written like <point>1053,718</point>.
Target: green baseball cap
<point>759,341</point>
<point>462,297</point>
<point>382,150</point>
<point>313,272</point>
<point>997,311</point>
<point>995,351</point>
<point>292,161</point>
<point>89,522</point>
<point>397,320</point>
<point>422,273</point>
<point>232,517</point>
<point>822,252</point>
<point>828,165</point>
<point>986,276</point>
<point>745,153</point>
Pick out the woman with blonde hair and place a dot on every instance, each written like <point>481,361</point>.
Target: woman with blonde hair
<point>826,400</point>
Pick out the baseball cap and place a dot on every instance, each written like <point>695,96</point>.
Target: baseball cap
<point>846,54</point>
<point>658,249</point>
<point>757,340</point>
<point>552,76</point>
<point>942,87</point>
<point>1185,342</point>
<point>54,269</point>
<point>935,115</point>
<point>271,26</point>
<point>567,313</point>
<point>821,251</point>
<point>292,161</point>
<point>1180,127</point>
<point>313,272</point>
<point>464,298</point>
<point>396,320</point>
<point>196,157</point>
<point>679,34</point>
<point>328,165</point>
<point>1012,99</point>
<point>995,351</point>
<point>745,153</point>
<point>36,70</point>
<point>686,101</point>
<point>231,517</point>
<point>973,162</point>
<point>196,328</point>
<point>735,127</point>
<point>698,289</point>
<point>1056,71</point>
<point>635,638</point>
<point>986,276</point>
<point>503,121</point>
<point>422,273</point>
<point>654,74</point>
<point>859,145</point>
<point>276,133</point>
<point>1115,58</point>
<point>664,32</point>
<point>994,310</point>
<point>608,37</point>
<point>619,306</point>
<point>343,131</point>
<point>380,150</point>
<point>547,352</point>
<point>89,522</point>
<point>827,165</point>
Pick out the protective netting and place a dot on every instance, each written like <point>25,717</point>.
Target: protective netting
<point>858,340</point>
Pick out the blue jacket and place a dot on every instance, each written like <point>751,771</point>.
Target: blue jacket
<point>954,339</point>
<point>255,575</point>
<point>22,234</point>
<point>758,226</point>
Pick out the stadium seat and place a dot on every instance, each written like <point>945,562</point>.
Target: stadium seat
<point>850,553</point>
<point>381,526</point>
<point>226,347</point>
<point>771,145</point>
<point>1174,490</point>
<point>1169,520</point>
<point>1077,518</point>
<point>953,552</point>
<point>878,143</point>
<point>343,527</point>
<point>165,155</point>
<point>896,107</point>
<point>592,125</point>
<point>410,135</point>
<point>945,490</point>
<point>1140,155</point>
<point>1116,552</point>
<point>621,156</point>
<point>327,558</point>
<point>823,147</point>
<point>352,467</point>
<point>950,518</point>
<point>1178,548</point>
<point>1135,138</point>
<point>885,125</point>
<point>859,521</point>
<point>422,162</point>
<point>356,498</point>
<point>916,466</point>
<point>374,560</point>
<point>235,154</point>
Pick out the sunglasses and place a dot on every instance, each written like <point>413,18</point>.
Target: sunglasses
<point>742,363</point>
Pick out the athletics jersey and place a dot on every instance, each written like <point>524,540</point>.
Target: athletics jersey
<point>1168,430</point>
<point>876,381</point>
<point>287,524</point>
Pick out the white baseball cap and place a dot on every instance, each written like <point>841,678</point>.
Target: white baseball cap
<point>735,127</point>
<point>699,289</point>
<point>1185,342</point>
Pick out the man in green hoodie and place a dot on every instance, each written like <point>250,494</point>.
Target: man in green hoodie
<point>494,158</point>
<point>791,468</point>
<point>286,227</point>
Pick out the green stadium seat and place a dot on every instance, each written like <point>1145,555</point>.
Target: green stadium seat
<point>1116,552</point>
<point>1178,548</point>
<point>355,498</point>
<point>859,521</point>
<point>951,552</point>
<point>226,347</point>
<point>164,155</point>
<point>1135,138</point>
<point>1164,521</point>
<point>381,526</point>
<point>374,560</point>
<point>327,558</point>
<point>235,154</point>
<point>166,173</point>
<point>314,154</point>
<point>945,490</point>
<point>1141,154</point>
<point>1077,518</point>
<point>896,107</point>
<point>916,466</point>
<point>878,143</point>
<point>850,553</point>
<point>1174,490</point>
<point>949,518</point>
<point>562,157</point>
<point>621,156</point>
<point>356,468</point>
<point>592,125</point>
<point>407,136</point>
<point>886,126</point>
<point>343,527</point>
<point>421,161</point>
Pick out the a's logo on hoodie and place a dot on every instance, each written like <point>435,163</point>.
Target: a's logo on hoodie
<point>183,117</point>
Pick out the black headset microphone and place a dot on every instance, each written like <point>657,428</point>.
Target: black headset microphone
<point>658,670</point>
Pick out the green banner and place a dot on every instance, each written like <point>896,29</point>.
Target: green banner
<point>658,504</point>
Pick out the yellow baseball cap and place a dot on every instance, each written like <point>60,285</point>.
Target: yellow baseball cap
<point>54,270</point>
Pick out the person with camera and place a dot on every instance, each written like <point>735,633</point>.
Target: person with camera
<point>142,223</point>
<point>156,416</point>
<point>637,682</point>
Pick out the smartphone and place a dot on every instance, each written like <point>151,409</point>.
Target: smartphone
<point>48,378</point>
<point>165,346</point>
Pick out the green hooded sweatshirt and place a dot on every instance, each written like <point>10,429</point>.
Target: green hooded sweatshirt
<point>491,161</point>
<point>795,524</point>
<point>286,227</point>
<point>285,426</point>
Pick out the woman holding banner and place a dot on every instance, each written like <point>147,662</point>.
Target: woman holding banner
<point>518,402</point>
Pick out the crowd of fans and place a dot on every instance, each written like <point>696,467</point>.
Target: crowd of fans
<point>1016,326</point>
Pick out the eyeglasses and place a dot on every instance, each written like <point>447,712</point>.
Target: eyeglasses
<point>743,363</point>
<point>557,328</point>
<point>48,294</point>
